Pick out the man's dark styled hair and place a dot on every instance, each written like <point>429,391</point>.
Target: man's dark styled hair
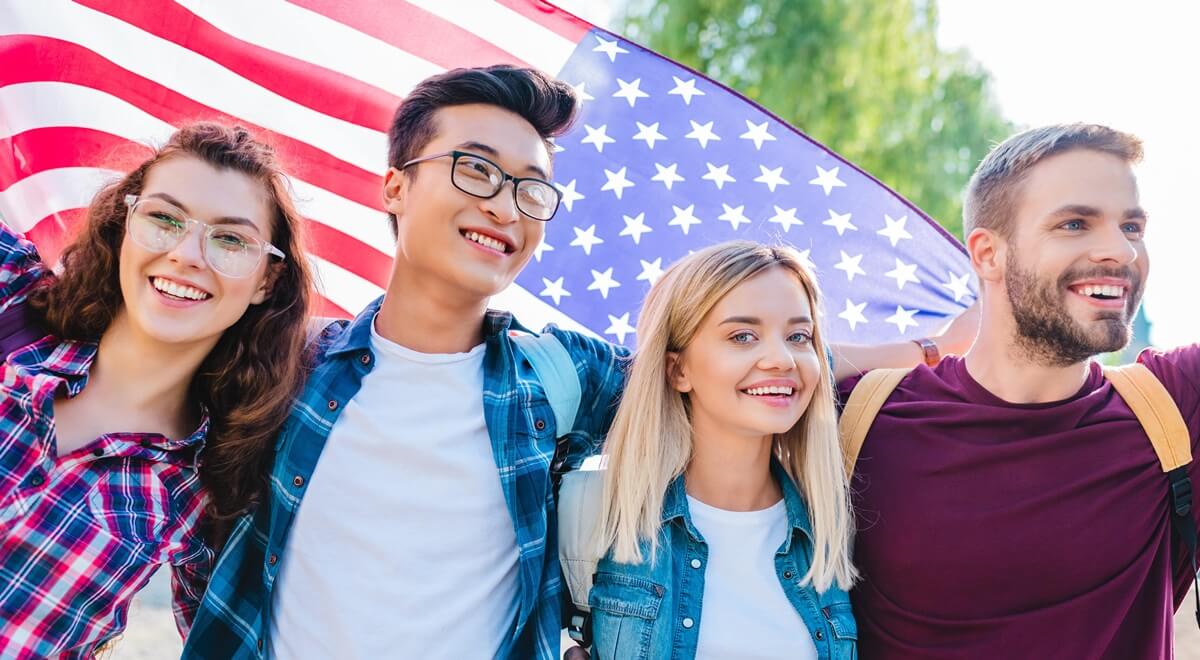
<point>545,102</point>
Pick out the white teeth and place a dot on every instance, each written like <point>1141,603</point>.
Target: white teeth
<point>178,290</point>
<point>763,391</point>
<point>487,241</point>
<point>1110,290</point>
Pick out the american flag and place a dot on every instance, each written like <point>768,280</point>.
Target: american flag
<point>661,161</point>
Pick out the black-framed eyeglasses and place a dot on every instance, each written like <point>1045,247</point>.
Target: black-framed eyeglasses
<point>480,177</point>
<point>159,226</point>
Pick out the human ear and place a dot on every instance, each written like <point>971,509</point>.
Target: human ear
<point>270,277</point>
<point>394,190</point>
<point>677,373</point>
<point>987,251</point>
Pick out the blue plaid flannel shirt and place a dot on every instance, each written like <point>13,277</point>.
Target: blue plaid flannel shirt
<point>233,619</point>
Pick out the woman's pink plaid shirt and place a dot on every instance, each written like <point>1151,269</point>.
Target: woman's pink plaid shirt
<point>80,534</point>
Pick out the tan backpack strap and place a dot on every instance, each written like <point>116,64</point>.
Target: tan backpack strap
<point>865,401</point>
<point>1156,411</point>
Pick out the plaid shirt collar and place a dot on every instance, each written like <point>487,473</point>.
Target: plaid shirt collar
<point>69,362</point>
<point>357,336</point>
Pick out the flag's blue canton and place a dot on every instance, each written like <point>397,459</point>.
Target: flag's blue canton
<point>663,161</point>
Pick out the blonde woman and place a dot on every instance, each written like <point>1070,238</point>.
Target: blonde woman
<point>725,524</point>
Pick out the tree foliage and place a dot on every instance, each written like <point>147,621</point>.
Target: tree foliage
<point>866,79</point>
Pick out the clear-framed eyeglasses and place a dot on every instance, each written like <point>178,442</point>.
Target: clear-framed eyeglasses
<point>480,177</point>
<point>159,226</point>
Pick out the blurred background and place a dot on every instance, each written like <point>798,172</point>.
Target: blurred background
<point>916,92</point>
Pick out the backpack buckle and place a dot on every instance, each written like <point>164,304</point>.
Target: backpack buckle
<point>1181,492</point>
<point>580,628</point>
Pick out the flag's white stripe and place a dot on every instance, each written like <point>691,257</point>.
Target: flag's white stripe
<point>508,30</point>
<point>29,200</point>
<point>194,76</point>
<point>345,289</point>
<point>533,312</point>
<point>316,39</point>
<point>29,106</point>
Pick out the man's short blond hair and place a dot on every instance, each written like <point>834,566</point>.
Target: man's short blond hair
<point>992,191</point>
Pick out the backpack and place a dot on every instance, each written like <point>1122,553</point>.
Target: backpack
<point>1137,385</point>
<point>556,371</point>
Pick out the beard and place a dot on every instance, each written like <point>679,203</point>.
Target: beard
<point>1048,332</point>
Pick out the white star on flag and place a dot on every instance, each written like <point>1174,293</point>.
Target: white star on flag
<point>903,273</point>
<point>771,177</point>
<point>542,246</point>
<point>734,216</point>
<point>617,182</point>
<point>554,290</point>
<point>602,282</point>
<point>569,196</point>
<point>667,175</point>
<point>840,222</point>
<point>555,147</point>
<point>619,326</point>
<point>635,226</point>
<point>895,231</point>
<point>853,314</point>
<point>718,175</point>
<point>702,133</point>
<point>631,91</point>
<point>785,217</point>
<point>684,218</point>
<point>758,133</point>
<point>608,47</point>
<point>586,239</point>
<point>598,137</point>
<point>651,270</point>
<point>827,179</point>
<point>958,285</point>
<point>850,265</point>
<point>648,134</point>
<point>903,318</point>
<point>686,89</point>
<point>581,93</point>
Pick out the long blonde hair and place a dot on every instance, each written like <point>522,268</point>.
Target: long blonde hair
<point>650,443</point>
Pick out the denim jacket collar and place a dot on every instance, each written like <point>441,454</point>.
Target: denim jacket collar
<point>675,506</point>
<point>357,336</point>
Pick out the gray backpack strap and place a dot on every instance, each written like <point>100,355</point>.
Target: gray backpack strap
<point>556,371</point>
<point>578,516</point>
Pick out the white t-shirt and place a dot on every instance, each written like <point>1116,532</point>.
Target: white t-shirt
<point>403,546</point>
<point>745,613</point>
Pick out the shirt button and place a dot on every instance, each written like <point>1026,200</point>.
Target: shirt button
<point>688,623</point>
<point>365,358</point>
<point>37,480</point>
<point>273,559</point>
<point>146,444</point>
<point>298,481</point>
<point>695,563</point>
<point>332,405</point>
<point>539,425</point>
<point>98,452</point>
<point>820,635</point>
<point>787,575</point>
<point>260,644</point>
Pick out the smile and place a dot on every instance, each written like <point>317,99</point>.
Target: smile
<point>487,241</point>
<point>769,391</point>
<point>176,291</point>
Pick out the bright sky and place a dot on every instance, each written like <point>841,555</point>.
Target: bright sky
<point>1128,65</point>
<point>1131,66</point>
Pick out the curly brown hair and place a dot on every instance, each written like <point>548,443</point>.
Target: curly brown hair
<point>247,382</point>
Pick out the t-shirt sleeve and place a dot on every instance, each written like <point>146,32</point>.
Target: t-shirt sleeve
<point>602,368</point>
<point>20,267</point>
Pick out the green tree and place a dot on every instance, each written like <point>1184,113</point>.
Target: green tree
<point>867,79</point>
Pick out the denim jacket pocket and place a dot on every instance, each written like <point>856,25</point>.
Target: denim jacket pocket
<point>624,609</point>
<point>844,644</point>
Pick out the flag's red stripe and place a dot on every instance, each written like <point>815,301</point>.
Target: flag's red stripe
<point>350,253</point>
<point>50,148</point>
<point>52,233</point>
<point>41,149</point>
<point>40,59</point>
<point>324,90</point>
<point>562,23</point>
<point>425,35</point>
<point>323,306</point>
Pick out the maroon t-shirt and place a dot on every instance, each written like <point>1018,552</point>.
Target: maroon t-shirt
<point>989,529</point>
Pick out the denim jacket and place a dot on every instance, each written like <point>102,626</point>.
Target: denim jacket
<point>653,610</point>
